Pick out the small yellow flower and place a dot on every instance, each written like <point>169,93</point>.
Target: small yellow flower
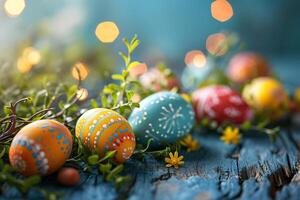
<point>190,143</point>
<point>297,95</point>
<point>186,97</point>
<point>231,135</point>
<point>174,160</point>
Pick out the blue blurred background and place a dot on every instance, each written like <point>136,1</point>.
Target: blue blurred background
<point>167,28</point>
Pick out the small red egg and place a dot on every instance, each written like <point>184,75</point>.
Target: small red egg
<point>221,104</point>
<point>246,66</point>
<point>68,176</point>
<point>293,107</point>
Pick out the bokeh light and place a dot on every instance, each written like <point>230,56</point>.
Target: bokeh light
<point>107,32</point>
<point>82,94</point>
<point>217,44</point>
<point>221,10</point>
<point>14,8</point>
<point>139,69</point>
<point>80,71</point>
<point>32,55</point>
<point>195,58</point>
<point>23,65</point>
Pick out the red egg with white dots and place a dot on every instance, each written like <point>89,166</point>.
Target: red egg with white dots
<point>221,104</point>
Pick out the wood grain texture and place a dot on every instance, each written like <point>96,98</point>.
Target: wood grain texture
<point>255,169</point>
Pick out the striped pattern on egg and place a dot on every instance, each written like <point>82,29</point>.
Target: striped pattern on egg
<point>102,130</point>
<point>164,116</point>
<point>41,147</point>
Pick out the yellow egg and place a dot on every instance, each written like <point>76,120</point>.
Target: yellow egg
<point>297,95</point>
<point>102,130</point>
<point>267,96</point>
<point>41,147</point>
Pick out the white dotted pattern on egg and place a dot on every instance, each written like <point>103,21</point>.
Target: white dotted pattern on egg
<point>163,116</point>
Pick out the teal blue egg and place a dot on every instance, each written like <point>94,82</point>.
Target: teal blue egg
<point>164,116</point>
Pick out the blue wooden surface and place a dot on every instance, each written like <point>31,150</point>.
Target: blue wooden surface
<point>255,169</point>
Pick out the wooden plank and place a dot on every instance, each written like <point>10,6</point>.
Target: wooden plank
<point>255,169</point>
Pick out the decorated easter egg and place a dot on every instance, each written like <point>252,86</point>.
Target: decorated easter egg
<point>163,116</point>
<point>102,130</point>
<point>246,66</point>
<point>41,147</point>
<point>267,96</point>
<point>220,104</point>
<point>297,96</point>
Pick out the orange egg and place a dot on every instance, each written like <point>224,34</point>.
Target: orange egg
<point>41,147</point>
<point>102,130</point>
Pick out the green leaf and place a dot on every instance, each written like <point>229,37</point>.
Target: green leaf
<point>121,180</point>
<point>124,57</point>
<point>117,170</point>
<point>107,90</point>
<point>135,105</point>
<point>133,65</point>
<point>71,91</point>
<point>129,94</point>
<point>123,108</point>
<point>115,98</point>
<point>30,182</point>
<point>134,45</point>
<point>133,39</point>
<point>95,104</point>
<point>108,155</point>
<point>125,73</point>
<point>114,87</point>
<point>204,122</point>
<point>117,77</point>
<point>7,168</point>
<point>61,105</point>
<point>262,124</point>
<point>104,101</point>
<point>52,196</point>
<point>6,110</point>
<point>113,173</point>
<point>125,41</point>
<point>93,159</point>
<point>2,151</point>
<point>246,125</point>
<point>105,168</point>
